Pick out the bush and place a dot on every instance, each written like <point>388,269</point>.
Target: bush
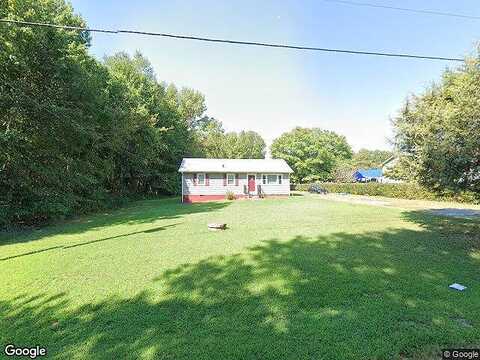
<point>230,195</point>
<point>400,191</point>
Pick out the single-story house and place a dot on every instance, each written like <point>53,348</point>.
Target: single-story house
<point>212,179</point>
<point>366,175</point>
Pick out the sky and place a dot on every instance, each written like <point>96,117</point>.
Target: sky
<point>274,90</point>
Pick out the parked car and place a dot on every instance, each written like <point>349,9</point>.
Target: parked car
<point>317,189</point>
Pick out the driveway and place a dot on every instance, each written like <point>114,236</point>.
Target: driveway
<point>450,209</point>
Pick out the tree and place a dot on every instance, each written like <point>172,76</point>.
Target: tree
<point>54,118</point>
<point>158,136</point>
<point>76,134</point>
<point>245,145</point>
<point>343,172</point>
<point>211,139</point>
<point>436,132</point>
<point>312,153</point>
<point>189,103</point>
<point>215,143</point>
<point>365,158</point>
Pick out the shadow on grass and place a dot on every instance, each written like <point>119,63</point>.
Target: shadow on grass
<point>140,212</point>
<point>452,232</point>
<point>342,296</point>
<point>65,247</point>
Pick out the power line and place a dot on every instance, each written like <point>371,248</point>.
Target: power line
<point>235,42</point>
<point>419,11</point>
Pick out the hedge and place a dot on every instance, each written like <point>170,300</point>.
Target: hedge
<point>400,191</point>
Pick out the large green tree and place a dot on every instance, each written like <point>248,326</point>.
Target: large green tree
<point>312,153</point>
<point>55,116</point>
<point>76,133</point>
<point>211,139</point>
<point>437,132</point>
<point>216,143</point>
<point>160,126</point>
<point>245,145</point>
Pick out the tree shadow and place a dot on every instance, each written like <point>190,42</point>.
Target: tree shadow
<point>460,233</point>
<point>64,247</point>
<point>339,296</point>
<point>140,212</point>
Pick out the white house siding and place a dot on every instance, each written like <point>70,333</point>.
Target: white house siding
<point>216,185</point>
<point>277,189</point>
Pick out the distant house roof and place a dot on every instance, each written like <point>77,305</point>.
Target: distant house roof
<point>235,165</point>
<point>390,159</point>
<point>370,173</point>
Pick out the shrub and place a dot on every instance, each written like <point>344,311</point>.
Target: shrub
<point>400,191</point>
<point>230,195</point>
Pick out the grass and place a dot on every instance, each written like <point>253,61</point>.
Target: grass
<point>296,278</point>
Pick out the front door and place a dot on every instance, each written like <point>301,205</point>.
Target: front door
<point>251,183</point>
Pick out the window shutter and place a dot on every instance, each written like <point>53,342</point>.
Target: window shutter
<point>236,179</point>
<point>195,179</point>
<point>224,179</point>
<point>207,180</point>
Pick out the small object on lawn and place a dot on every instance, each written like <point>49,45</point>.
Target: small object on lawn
<point>217,226</point>
<point>457,287</point>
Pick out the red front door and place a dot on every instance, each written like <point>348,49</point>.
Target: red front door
<point>251,183</point>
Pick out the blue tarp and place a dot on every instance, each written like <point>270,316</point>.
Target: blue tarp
<point>368,174</point>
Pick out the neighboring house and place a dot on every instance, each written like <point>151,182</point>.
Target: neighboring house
<point>388,165</point>
<point>211,179</point>
<point>367,175</point>
<point>377,174</point>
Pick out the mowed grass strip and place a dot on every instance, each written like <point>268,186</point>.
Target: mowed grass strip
<point>295,278</point>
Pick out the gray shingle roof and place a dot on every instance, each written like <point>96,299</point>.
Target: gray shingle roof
<point>235,165</point>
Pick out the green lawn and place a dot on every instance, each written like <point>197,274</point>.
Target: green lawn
<point>296,278</point>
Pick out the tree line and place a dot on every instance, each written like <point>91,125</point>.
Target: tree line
<point>78,134</point>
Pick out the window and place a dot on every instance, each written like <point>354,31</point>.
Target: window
<point>272,179</point>
<point>201,179</point>
<point>230,179</point>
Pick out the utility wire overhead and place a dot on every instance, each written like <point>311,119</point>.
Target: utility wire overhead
<point>236,42</point>
<point>419,11</point>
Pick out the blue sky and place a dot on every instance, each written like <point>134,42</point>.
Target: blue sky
<point>273,90</point>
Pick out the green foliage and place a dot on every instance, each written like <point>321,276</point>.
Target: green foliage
<point>364,158</point>
<point>77,134</point>
<point>215,143</point>
<point>399,190</point>
<point>437,132</point>
<point>312,153</point>
<point>54,122</point>
<point>343,172</point>
<point>245,145</point>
